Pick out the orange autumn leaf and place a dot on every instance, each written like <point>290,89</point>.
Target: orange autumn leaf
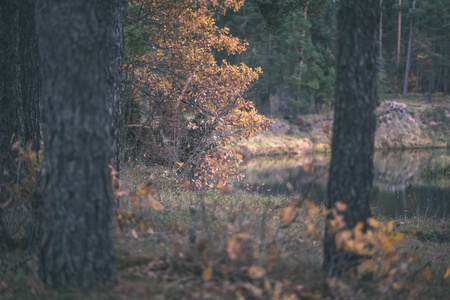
<point>256,272</point>
<point>447,273</point>
<point>286,215</point>
<point>427,275</point>
<point>207,273</point>
<point>313,209</point>
<point>152,203</point>
<point>290,297</point>
<point>307,168</point>
<point>373,223</point>
<point>341,206</point>
<point>233,244</point>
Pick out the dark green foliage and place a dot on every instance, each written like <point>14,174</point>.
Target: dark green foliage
<point>294,45</point>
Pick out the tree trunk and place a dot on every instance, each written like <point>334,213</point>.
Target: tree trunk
<point>431,80</point>
<point>9,16</point>
<point>399,33</point>
<point>446,61</point>
<point>380,39</point>
<point>114,14</point>
<point>19,94</point>
<point>76,247</point>
<point>351,167</point>
<point>30,85</point>
<point>408,55</point>
<point>300,66</point>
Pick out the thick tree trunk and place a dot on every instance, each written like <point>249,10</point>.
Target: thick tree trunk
<point>19,93</point>
<point>30,85</point>
<point>9,16</point>
<point>408,55</point>
<point>351,167</point>
<point>114,15</point>
<point>76,247</point>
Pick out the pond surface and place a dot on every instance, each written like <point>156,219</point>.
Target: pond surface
<point>404,186</point>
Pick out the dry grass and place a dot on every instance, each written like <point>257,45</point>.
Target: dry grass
<point>209,245</point>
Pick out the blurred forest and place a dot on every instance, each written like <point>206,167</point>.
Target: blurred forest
<point>296,50</point>
<point>118,126</point>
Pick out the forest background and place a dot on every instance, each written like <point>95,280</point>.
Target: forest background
<point>189,90</point>
<point>291,47</point>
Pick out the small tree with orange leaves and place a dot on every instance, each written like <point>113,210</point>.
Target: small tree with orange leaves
<point>191,105</point>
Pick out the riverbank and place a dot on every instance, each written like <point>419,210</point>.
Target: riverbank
<point>401,124</point>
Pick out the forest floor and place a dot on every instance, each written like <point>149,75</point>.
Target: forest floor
<point>240,244</point>
<point>408,124</point>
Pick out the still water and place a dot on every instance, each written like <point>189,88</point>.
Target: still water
<point>404,186</point>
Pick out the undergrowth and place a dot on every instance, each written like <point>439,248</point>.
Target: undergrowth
<point>174,243</point>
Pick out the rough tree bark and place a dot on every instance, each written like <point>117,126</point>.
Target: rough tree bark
<point>19,92</point>
<point>351,167</point>
<point>114,16</point>
<point>76,247</point>
<point>8,51</point>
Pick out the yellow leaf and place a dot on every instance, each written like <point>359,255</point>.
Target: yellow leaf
<point>373,223</point>
<point>233,244</point>
<point>141,226</point>
<point>267,286</point>
<point>447,274</point>
<point>359,226</point>
<point>367,266</point>
<point>396,286</point>
<point>313,209</point>
<point>142,191</point>
<point>290,297</point>
<point>231,247</point>
<point>208,272</point>
<point>341,206</point>
<point>278,290</point>
<point>388,247</point>
<point>307,168</point>
<point>427,275</point>
<point>398,237</point>
<point>286,215</point>
<point>156,205</point>
<point>243,236</point>
<point>256,272</point>
<point>342,237</point>
<point>311,230</point>
<point>390,226</point>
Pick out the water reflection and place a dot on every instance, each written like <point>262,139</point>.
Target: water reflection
<point>403,186</point>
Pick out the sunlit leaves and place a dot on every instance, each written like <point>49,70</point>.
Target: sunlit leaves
<point>207,273</point>
<point>143,198</point>
<point>192,97</point>
<point>256,272</point>
<point>447,273</point>
<point>234,244</point>
<point>286,215</point>
<point>375,244</point>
